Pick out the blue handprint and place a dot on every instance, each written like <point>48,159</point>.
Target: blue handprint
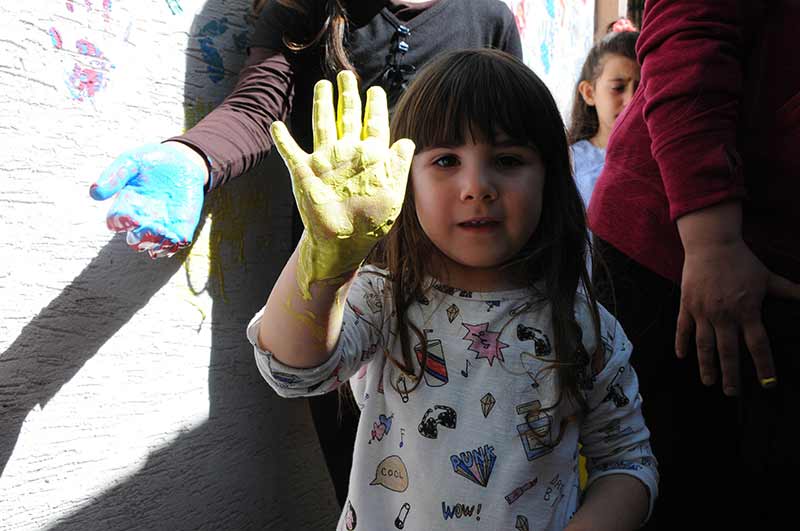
<point>160,197</point>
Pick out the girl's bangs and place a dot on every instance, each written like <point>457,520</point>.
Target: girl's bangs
<point>471,100</point>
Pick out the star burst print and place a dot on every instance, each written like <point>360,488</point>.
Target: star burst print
<point>485,343</point>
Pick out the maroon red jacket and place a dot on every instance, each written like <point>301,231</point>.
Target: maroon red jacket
<point>716,118</point>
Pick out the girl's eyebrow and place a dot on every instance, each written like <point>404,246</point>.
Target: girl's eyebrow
<point>510,142</point>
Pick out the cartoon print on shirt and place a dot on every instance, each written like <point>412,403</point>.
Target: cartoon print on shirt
<point>284,378</point>
<point>490,305</point>
<point>452,312</point>
<point>522,308</point>
<point>402,386</point>
<point>541,343</point>
<point>373,296</point>
<point>615,391</point>
<point>391,473</point>
<point>522,523</point>
<point>535,433</point>
<point>554,492</point>
<point>350,519</point>
<point>475,465</point>
<point>461,510</point>
<point>400,521</point>
<point>435,374</point>
<point>614,430</point>
<point>435,416</point>
<point>514,495</point>
<point>381,428</point>
<point>486,344</point>
<point>487,404</point>
<point>368,353</point>
<point>449,290</point>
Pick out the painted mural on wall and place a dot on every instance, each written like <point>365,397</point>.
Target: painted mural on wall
<point>77,31</point>
<point>94,40</point>
<point>94,36</point>
<point>556,36</point>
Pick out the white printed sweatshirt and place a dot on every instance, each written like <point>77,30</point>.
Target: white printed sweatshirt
<point>479,443</point>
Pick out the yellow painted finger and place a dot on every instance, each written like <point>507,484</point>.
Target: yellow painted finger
<point>292,154</point>
<point>403,151</point>
<point>376,116</point>
<point>323,120</point>
<point>349,106</point>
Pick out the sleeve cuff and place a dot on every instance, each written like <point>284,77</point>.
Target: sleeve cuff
<point>287,381</point>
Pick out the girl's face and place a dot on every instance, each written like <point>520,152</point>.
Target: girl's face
<point>479,204</point>
<point>611,92</point>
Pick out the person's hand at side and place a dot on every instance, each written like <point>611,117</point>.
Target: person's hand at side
<point>723,287</point>
<point>160,189</point>
<point>350,189</point>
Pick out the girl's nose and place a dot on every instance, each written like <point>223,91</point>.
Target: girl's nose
<point>478,185</point>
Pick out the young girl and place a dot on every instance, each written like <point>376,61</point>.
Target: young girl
<point>470,336</point>
<point>608,79</point>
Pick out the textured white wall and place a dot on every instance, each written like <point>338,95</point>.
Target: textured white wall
<point>129,398</point>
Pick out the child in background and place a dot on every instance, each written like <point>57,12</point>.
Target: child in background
<point>608,79</point>
<point>470,335</point>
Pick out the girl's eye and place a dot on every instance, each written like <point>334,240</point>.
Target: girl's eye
<point>446,161</point>
<point>508,161</point>
<point>618,88</point>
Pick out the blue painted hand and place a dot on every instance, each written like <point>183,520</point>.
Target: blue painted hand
<point>160,197</point>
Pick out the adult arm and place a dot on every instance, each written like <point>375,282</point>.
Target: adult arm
<point>722,290</point>
<point>692,85</point>
<point>235,137</point>
<point>160,188</point>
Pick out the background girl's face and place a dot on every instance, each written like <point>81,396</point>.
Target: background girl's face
<point>479,204</point>
<point>612,90</point>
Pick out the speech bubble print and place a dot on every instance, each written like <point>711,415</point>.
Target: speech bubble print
<point>392,474</point>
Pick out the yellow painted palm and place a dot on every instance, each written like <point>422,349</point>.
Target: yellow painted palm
<point>349,191</point>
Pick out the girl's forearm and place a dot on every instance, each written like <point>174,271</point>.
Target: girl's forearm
<point>298,332</point>
<point>616,502</point>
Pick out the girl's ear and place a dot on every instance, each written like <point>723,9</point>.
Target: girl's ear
<point>586,90</point>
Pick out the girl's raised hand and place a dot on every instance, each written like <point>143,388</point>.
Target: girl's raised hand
<point>349,191</point>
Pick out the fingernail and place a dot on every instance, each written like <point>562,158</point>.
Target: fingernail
<point>708,380</point>
<point>769,383</point>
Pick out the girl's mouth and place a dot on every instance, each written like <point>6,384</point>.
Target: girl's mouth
<point>480,224</point>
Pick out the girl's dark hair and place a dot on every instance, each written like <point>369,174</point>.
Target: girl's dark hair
<point>479,93</point>
<point>583,118</point>
<point>331,19</point>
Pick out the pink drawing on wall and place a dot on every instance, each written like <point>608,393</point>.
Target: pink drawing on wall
<point>55,36</point>
<point>519,16</point>
<point>85,82</point>
<point>87,48</point>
